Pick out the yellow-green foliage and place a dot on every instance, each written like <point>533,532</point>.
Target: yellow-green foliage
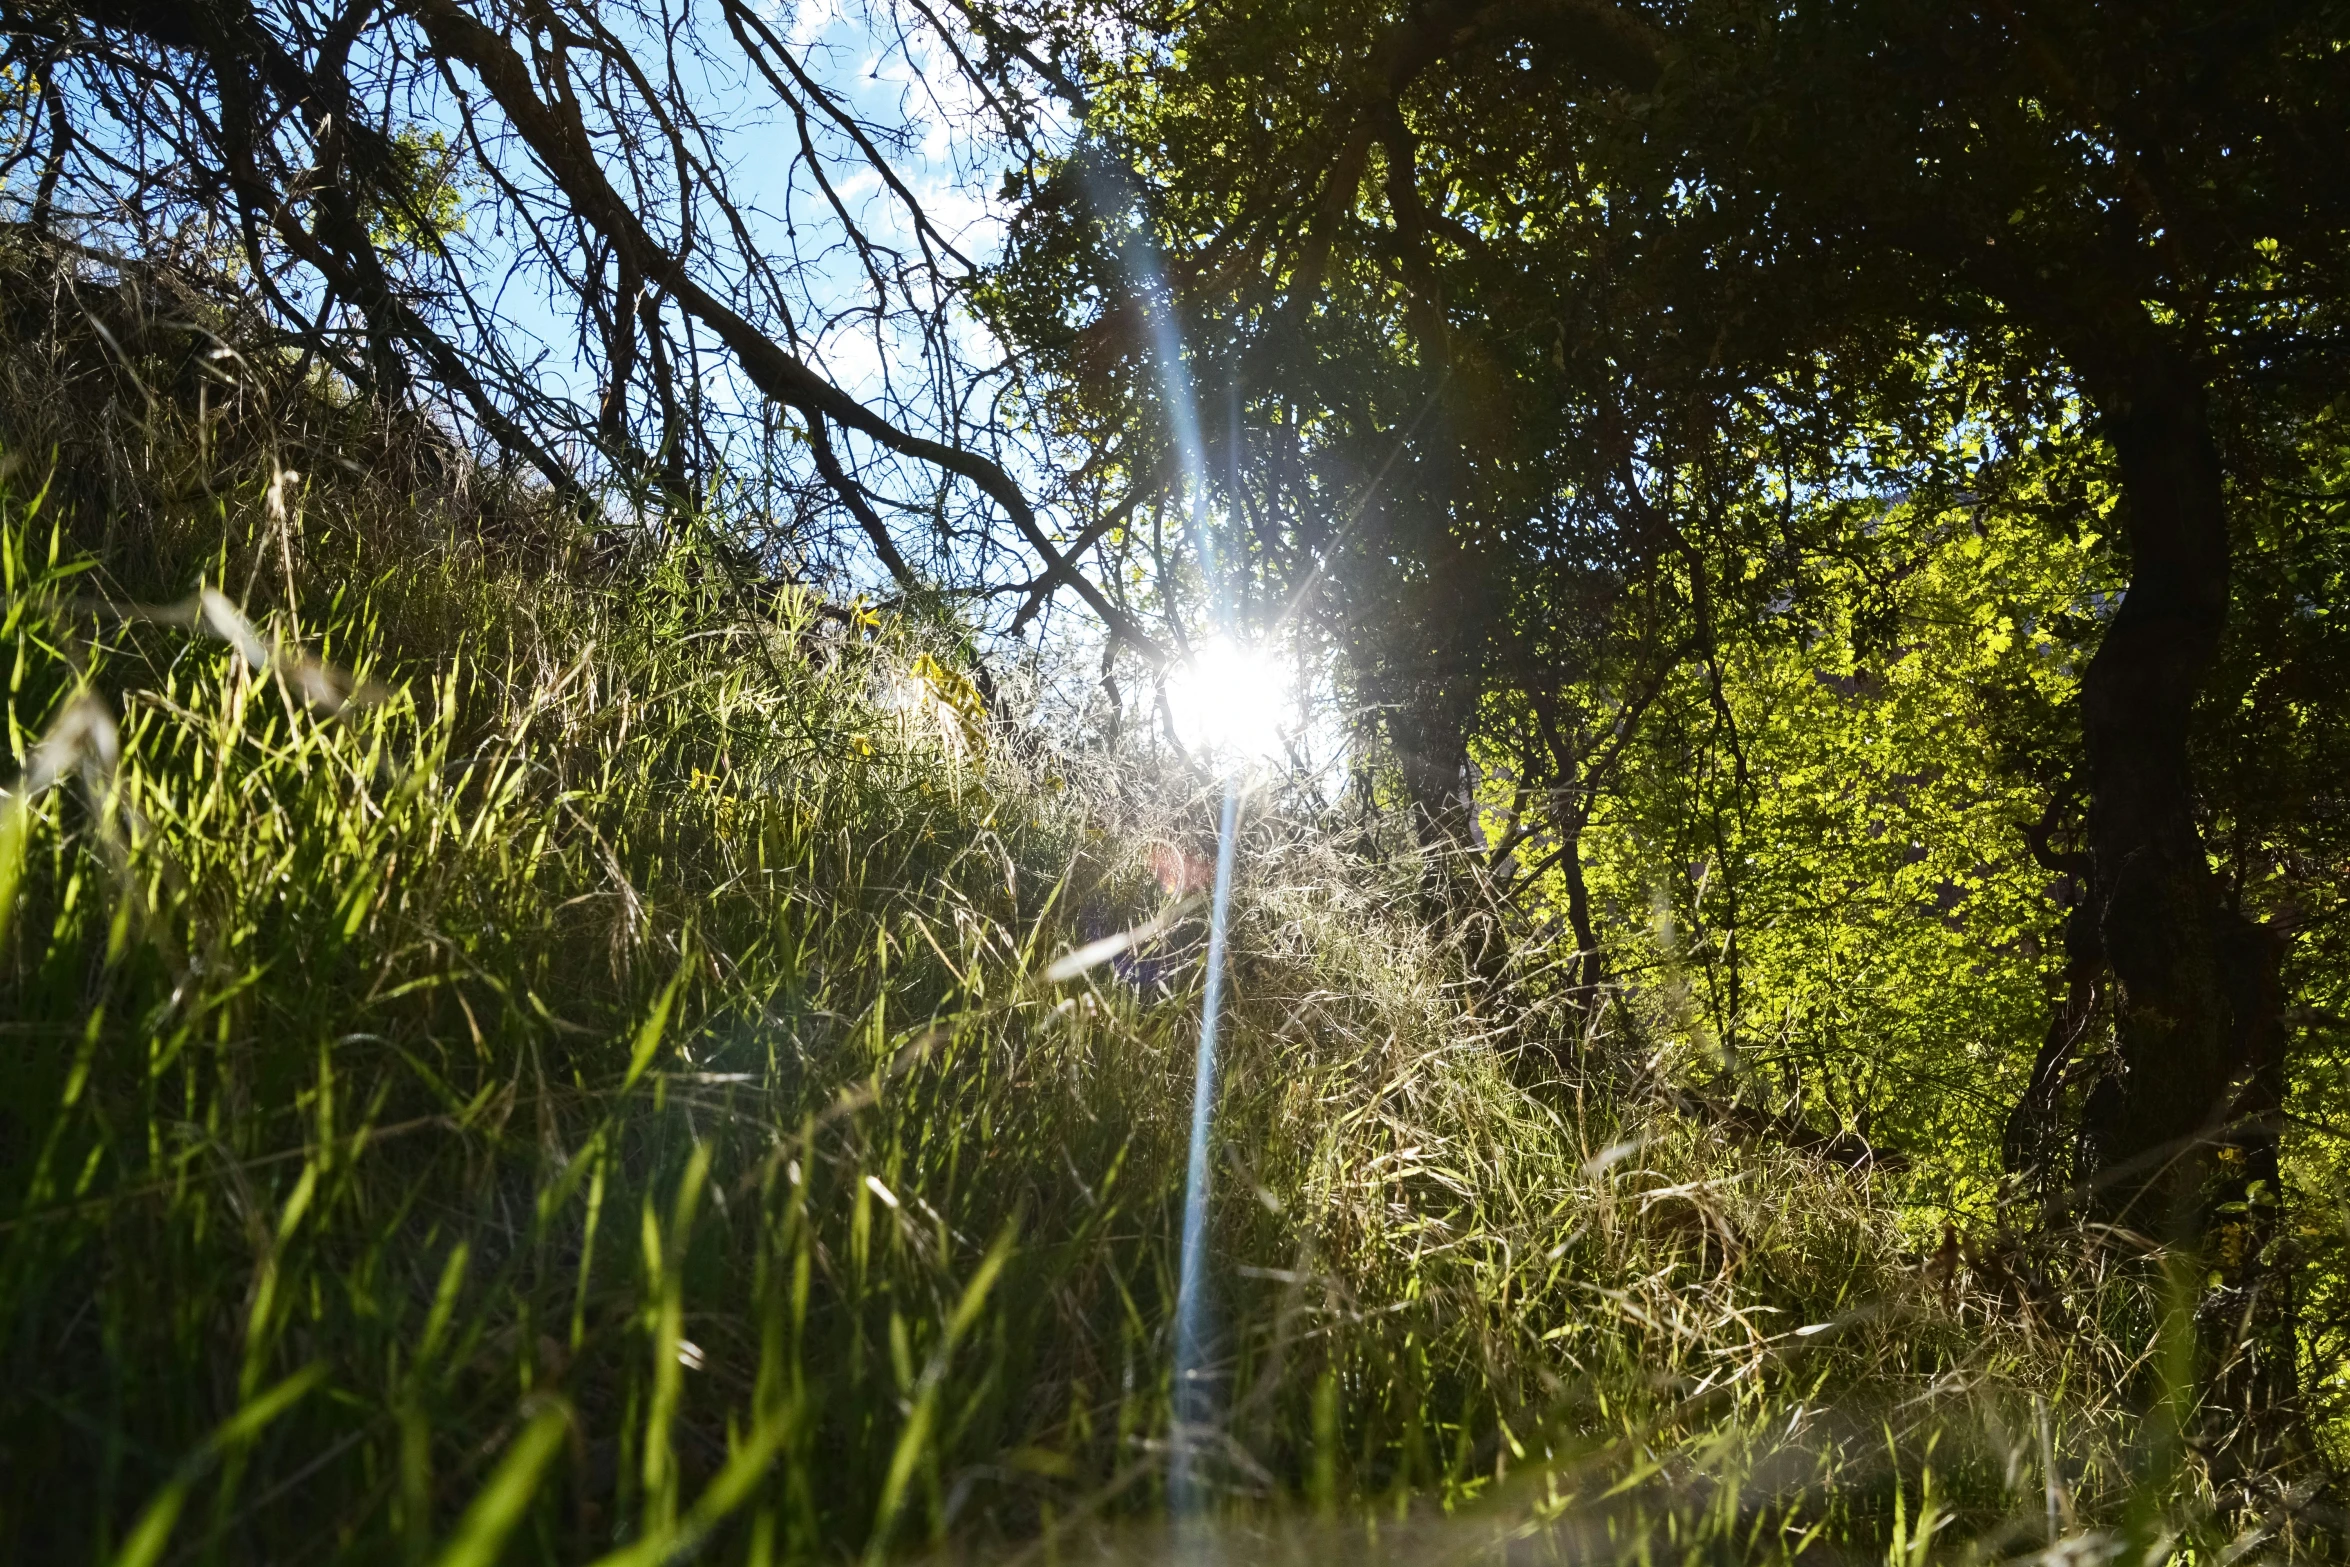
<point>1835,878</point>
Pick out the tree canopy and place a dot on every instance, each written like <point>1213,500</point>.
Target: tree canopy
<point>1668,335</point>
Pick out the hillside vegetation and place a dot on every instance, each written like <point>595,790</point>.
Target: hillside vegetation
<point>528,1046</point>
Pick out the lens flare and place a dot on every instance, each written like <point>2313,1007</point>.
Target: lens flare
<point>1198,1397</point>
<point>1233,704</point>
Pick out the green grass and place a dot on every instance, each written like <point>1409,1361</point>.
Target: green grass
<point>601,1100</point>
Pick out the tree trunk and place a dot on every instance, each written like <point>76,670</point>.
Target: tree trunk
<point>1429,740</point>
<point>2164,933</point>
<point>1588,972</point>
<point>2251,1421</point>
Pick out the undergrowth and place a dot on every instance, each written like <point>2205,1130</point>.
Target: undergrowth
<point>517,1053</point>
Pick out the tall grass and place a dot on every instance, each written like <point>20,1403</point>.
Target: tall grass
<point>510,1059</point>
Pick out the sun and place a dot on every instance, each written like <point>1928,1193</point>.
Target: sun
<point>1232,704</point>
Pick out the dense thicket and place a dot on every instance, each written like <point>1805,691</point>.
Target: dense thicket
<point>1856,481</point>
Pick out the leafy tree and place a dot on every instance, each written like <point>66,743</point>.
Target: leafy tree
<point>1641,262</point>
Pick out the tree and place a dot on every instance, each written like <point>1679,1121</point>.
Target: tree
<point>318,148</point>
<point>1600,237</point>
